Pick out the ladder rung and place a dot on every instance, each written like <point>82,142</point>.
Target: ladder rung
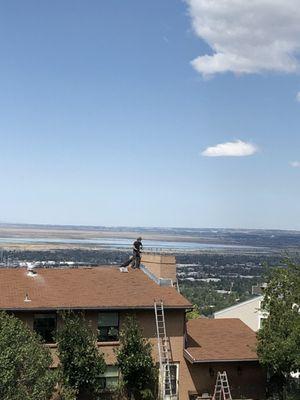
<point>164,348</point>
<point>222,387</point>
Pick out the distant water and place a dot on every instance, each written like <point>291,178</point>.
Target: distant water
<point>122,243</point>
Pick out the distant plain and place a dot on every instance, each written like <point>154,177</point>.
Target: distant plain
<point>46,237</point>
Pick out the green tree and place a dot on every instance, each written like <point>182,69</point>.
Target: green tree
<point>195,313</point>
<point>81,362</point>
<point>24,363</point>
<point>135,361</point>
<point>279,338</point>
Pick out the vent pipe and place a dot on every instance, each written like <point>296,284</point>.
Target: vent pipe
<point>30,270</point>
<point>27,298</point>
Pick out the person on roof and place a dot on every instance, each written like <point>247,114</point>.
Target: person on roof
<point>135,259</point>
<point>137,248</point>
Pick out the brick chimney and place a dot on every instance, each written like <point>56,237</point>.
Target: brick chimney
<point>161,266</point>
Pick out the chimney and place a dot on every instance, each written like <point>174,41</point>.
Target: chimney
<point>162,268</point>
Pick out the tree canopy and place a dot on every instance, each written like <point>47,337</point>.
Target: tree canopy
<point>24,363</point>
<point>194,314</point>
<point>135,362</point>
<point>279,337</point>
<point>81,362</point>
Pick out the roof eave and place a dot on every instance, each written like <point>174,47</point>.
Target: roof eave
<point>149,307</point>
<point>192,360</point>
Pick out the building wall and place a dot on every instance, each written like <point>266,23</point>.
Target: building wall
<point>161,265</point>
<point>246,379</point>
<point>175,326</point>
<point>247,311</point>
<point>192,377</point>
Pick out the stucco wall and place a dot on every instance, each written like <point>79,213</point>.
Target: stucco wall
<point>248,312</point>
<point>162,266</point>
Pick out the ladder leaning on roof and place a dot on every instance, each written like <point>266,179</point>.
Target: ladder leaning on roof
<point>222,390</point>
<point>163,351</point>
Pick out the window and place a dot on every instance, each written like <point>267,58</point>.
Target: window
<point>108,326</point>
<point>174,368</point>
<point>110,379</point>
<point>45,326</point>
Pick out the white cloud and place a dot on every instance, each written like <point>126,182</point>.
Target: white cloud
<point>298,97</point>
<point>230,149</point>
<point>247,36</point>
<point>295,164</point>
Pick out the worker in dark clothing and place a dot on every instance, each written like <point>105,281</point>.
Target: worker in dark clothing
<point>135,259</point>
<point>137,247</point>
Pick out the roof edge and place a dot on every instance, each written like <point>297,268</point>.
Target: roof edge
<point>166,307</point>
<point>193,360</point>
<point>238,305</point>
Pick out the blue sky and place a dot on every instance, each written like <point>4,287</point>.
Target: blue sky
<point>105,116</point>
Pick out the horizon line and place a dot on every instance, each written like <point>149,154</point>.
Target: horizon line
<point>134,227</point>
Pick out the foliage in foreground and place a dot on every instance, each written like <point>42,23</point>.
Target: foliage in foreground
<point>24,363</point>
<point>81,362</point>
<point>279,338</point>
<point>135,362</point>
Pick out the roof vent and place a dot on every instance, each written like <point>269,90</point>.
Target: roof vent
<point>27,298</point>
<point>30,270</point>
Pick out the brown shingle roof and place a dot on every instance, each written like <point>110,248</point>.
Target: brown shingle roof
<point>86,288</point>
<point>227,339</point>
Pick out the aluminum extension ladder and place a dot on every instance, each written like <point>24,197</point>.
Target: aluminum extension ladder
<point>222,390</point>
<point>164,351</point>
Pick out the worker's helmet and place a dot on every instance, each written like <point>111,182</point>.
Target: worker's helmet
<point>139,238</point>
